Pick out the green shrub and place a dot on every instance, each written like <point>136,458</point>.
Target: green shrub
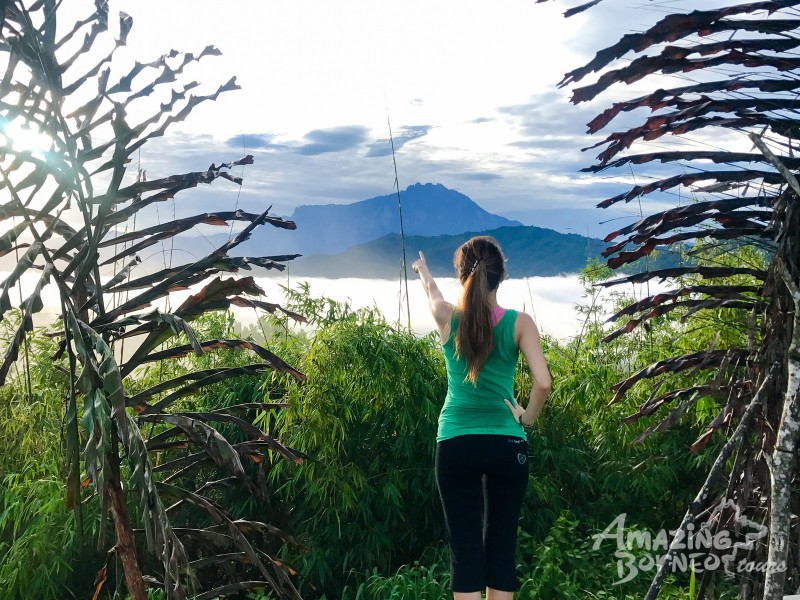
<point>427,579</point>
<point>366,417</point>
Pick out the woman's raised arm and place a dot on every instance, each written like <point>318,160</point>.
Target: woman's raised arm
<point>441,310</point>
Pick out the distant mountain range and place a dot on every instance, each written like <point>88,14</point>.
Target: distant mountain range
<point>362,239</point>
<point>428,209</point>
<point>530,251</point>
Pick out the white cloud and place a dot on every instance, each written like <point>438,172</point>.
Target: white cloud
<point>550,300</point>
<point>469,86</point>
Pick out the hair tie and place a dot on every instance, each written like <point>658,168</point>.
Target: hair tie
<point>474,266</point>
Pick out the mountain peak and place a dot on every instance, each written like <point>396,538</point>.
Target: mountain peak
<point>430,186</point>
<point>428,209</point>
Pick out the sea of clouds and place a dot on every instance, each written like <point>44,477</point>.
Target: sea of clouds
<point>551,301</point>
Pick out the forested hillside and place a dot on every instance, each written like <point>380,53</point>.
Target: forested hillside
<point>531,252</point>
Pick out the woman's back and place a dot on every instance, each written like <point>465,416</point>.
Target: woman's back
<point>480,408</point>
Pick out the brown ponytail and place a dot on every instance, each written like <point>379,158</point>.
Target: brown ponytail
<point>480,266</point>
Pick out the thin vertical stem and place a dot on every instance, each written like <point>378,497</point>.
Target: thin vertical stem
<point>25,343</point>
<point>402,230</point>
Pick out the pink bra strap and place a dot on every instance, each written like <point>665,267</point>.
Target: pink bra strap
<point>497,314</point>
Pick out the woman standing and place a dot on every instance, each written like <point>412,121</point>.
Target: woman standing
<point>481,433</point>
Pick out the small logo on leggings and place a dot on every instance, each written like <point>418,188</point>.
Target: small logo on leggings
<point>522,458</point>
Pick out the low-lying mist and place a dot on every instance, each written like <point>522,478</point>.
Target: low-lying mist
<point>551,301</point>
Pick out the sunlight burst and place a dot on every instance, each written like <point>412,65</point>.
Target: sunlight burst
<point>24,137</point>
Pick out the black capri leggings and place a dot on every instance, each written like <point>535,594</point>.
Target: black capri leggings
<point>482,519</point>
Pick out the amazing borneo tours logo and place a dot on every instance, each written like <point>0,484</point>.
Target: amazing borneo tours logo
<point>697,549</point>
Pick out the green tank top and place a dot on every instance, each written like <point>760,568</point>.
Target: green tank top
<point>480,408</point>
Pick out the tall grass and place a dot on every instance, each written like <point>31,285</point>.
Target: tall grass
<point>41,555</point>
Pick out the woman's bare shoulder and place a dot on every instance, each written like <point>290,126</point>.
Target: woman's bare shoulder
<point>524,319</point>
<point>442,311</point>
<point>524,325</point>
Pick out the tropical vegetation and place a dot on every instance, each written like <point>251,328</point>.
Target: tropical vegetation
<point>362,511</point>
<point>70,209</point>
<point>723,81</point>
<point>293,463</point>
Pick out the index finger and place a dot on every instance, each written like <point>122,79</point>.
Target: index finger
<point>421,255</point>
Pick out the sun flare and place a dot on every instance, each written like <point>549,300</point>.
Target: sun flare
<point>24,137</point>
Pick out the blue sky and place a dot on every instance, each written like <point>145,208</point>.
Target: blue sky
<point>470,88</point>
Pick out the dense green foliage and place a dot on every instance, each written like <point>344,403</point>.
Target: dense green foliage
<point>70,212</point>
<point>363,507</point>
<point>39,542</point>
<point>366,417</point>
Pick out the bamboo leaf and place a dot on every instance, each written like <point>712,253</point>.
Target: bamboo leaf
<point>728,292</point>
<point>180,225</point>
<point>239,540</point>
<point>138,401</point>
<point>269,357</point>
<point>123,273</point>
<point>676,26</point>
<point>222,263</point>
<point>663,425</point>
<point>662,98</point>
<point>652,243</point>
<point>30,306</point>
<point>167,230</point>
<point>210,441</point>
<point>214,296</point>
<point>694,305</point>
<point>652,405</point>
<point>8,239</point>
<point>200,379</point>
<point>688,179</point>
<point>152,414</point>
<point>193,273</point>
<point>702,270</point>
<point>579,9</point>
<point>699,360</point>
<point>22,266</point>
